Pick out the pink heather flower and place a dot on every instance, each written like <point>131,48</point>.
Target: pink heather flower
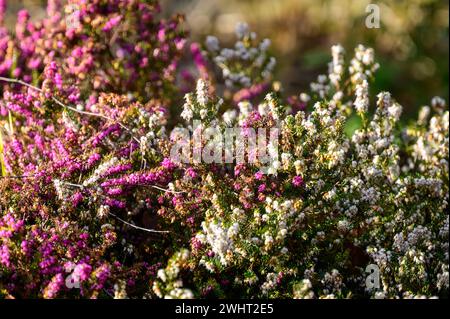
<point>259,175</point>
<point>117,169</point>
<point>22,16</point>
<point>102,274</point>
<point>94,158</point>
<point>196,244</point>
<point>54,286</point>
<point>250,93</point>
<point>297,181</point>
<point>111,23</point>
<point>4,256</point>
<point>53,7</point>
<point>191,172</point>
<point>162,34</point>
<point>179,43</point>
<point>82,272</point>
<point>199,60</point>
<point>16,73</point>
<point>77,198</point>
<point>167,163</point>
<point>237,169</point>
<point>115,191</point>
<point>25,246</point>
<point>34,63</point>
<point>115,203</point>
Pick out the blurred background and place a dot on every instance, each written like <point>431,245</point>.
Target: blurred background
<point>412,43</point>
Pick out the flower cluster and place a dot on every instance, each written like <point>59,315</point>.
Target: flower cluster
<point>114,46</point>
<point>258,64</point>
<point>93,205</point>
<point>246,70</point>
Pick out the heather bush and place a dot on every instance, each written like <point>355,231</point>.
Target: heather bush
<point>114,46</point>
<point>95,205</point>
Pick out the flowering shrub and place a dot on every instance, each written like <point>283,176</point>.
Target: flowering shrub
<point>114,46</point>
<point>93,203</point>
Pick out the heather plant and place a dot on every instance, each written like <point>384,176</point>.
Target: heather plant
<point>113,46</point>
<point>241,73</point>
<point>248,66</point>
<point>94,204</point>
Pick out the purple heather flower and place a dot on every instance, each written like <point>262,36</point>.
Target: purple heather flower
<point>250,93</point>
<point>259,175</point>
<point>168,164</point>
<point>81,272</point>
<point>297,181</point>
<point>190,172</point>
<point>199,60</point>
<point>111,23</point>
<point>54,286</point>
<point>5,255</point>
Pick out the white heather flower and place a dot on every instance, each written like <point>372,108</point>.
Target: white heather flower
<point>264,45</point>
<point>271,65</point>
<point>337,65</point>
<point>443,278</point>
<point>338,96</point>
<point>203,113</point>
<point>303,290</point>
<point>437,102</point>
<point>283,232</point>
<point>322,78</point>
<point>343,225</point>
<point>395,111</point>
<point>276,165</point>
<point>217,237</point>
<point>101,169</point>
<point>158,118</point>
<point>242,30</point>
<point>363,64</point>
<point>424,114</point>
<point>362,97</point>
<point>286,159</point>
<point>245,107</point>
<point>229,116</point>
<point>187,113</point>
<point>227,54</point>
<point>304,97</point>
<point>212,43</point>
<point>162,275</point>
<point>268,239</point>
<point>233,230</point>
<point>384,100</point>
<point>103,211</point>
<point>202,92</point>
<point>179,293</point>
<point>59,189</point>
